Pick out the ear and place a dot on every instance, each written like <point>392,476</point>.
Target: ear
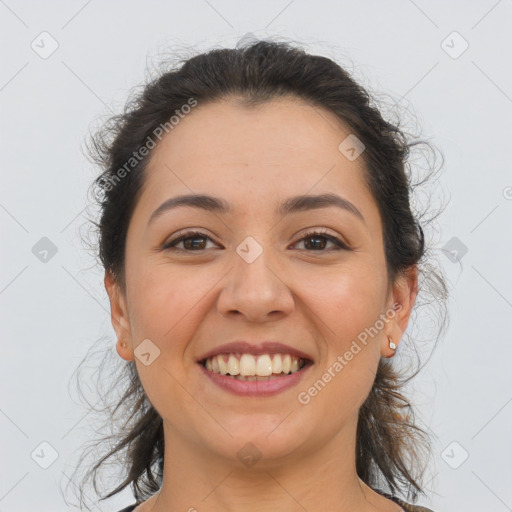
<point>401,300</point>
<point>119,317</point>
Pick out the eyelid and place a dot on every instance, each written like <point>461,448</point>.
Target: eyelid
<point>323,233</point>
<point>184,234</point>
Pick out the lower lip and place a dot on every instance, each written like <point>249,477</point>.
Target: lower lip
<point>256,388</point>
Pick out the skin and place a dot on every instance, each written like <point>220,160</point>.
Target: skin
<point>317,300</point>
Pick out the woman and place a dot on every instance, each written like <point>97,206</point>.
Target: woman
<point>262,262</point>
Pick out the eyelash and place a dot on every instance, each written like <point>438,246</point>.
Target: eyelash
<point>315,233</point>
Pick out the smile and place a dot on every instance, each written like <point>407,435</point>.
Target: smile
<point>248,365</point>
<point>255,375</point>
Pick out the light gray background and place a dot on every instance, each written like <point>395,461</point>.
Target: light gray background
<point>52,312</point>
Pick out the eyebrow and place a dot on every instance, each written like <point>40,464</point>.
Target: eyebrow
<point>291,205</point>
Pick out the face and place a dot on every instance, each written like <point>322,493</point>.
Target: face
<point>256,274</point>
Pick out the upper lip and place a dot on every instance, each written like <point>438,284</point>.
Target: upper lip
<point>244,347</point>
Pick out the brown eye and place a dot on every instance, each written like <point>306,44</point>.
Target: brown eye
<point>193,241</point>
<point>317,241</point>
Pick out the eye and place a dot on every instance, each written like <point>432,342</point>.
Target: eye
<point>323,237</point>
<point>193,241</point>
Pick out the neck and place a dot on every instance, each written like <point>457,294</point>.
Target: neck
<point>323,479</point>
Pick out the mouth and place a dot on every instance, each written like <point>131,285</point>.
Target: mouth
<point>255,370</point>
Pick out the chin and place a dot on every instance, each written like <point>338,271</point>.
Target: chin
<point>264,438</point>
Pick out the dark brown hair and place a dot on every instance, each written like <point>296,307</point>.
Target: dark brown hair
<point>391,448</point>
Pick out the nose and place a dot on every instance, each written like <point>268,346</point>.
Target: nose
<point>256,290</point>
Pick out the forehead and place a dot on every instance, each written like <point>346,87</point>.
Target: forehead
<point>265,153</point>
<point>273,134</point>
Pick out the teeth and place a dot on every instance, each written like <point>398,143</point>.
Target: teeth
<point>277,364</point>
<point>233,365</point>
<point>287,363</point>
<point>249,367</point>
<point>223,365</point>
<point>252,378</point>
<point>264,366</point>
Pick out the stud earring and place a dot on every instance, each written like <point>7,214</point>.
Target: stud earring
<point>392,345</point>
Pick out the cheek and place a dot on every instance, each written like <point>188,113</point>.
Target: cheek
<point>162,302</point>
<point>347,300</point>
<point>336,393</point>
<point>339,388</point>
<point>167,308</point>
<point>162,310</point>
<point>348,304</point>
